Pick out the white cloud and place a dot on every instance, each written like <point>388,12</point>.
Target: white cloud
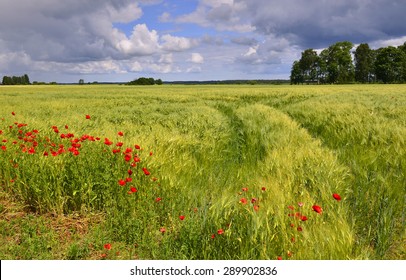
<point>176,44</point>
<point>141,42</point>
<point>125,14</point>
<point>197,58</point>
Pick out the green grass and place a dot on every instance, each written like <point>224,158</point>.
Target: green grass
<point>243,164</point>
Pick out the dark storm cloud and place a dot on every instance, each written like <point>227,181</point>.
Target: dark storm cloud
<point>318,23</point>
<point>64,31</point>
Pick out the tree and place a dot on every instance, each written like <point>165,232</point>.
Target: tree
<point>364,64</point>
<point>296,75</point>
<point>16,80</point>
<point>81,82</point>
<point>309,65</point>
<point>337,62</point>
<point>389,64</point>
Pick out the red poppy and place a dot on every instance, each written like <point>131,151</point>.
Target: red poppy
<point>244,189</point>
<point>130,172</point>
<point>3,148</point>
<point>317,209</point>
<point>137,147</point>
<point>133,190</point>
<point>162,229</point>
<point>256,208</point>
<point>303,218</point>
<point>213,236</point>
<point>146,172</point>
<point>121,182</point>
<point>107,246</point>
<point>279,258</point>
<point>181,217</point>
<point>220,231</point>
<point>129,179</point>
<point>299,228</point>
<point>158,199</point>
<point>243,200</point>
<point>120,133</point>
<point>263,189</point>
<point>88,117</point>
<point>107,141</point>
<point>127,157</point>
<point>336,196</point>
<point>291,207</point>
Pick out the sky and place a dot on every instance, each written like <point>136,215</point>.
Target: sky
<point>122,40</point>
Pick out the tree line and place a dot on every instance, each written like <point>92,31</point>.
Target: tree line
<point>338,64</point>
<point>16,80</point>
<point>145,81</point>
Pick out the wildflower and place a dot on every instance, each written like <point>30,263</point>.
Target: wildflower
<point>279,258</point>
<point>181,217</point>
<point>243,200</point>
<point>133,190</point>
<point>220,231</point>
<point>137,147</point>
<point>146,172</point>
<point>120,133</point>
<point>336,196</point>
<point>263,189</point>
<point>256,208</point>
<point>88,117</point>
<point>162,229</point>
<point>130,172</point>
<point>31,151</point>
<point>127,157</point>
<point>303,218</point>
<point>317,209</point>
<point>107,141</point>
<point>158,199</point>
<point>244,189</point>
<point>299,229</point>
<point>3,148</point>
<point>121,182</point>
<point>300,204</point>
<point>129,179</point>
<point>13,113</point>
<point>107,246</point>
<point>213,236</point>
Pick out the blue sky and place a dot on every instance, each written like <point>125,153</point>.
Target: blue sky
<point>121,40</point>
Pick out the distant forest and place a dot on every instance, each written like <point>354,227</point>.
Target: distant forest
<point>16,80</point>
<point>337,64</point>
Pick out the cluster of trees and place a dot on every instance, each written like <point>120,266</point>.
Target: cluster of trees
<point>16,80</point>
<point>337,64</point>
<point>145,81</point>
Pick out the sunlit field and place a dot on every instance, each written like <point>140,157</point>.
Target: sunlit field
<point>203,172</point>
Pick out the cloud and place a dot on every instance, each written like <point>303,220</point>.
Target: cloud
<point>141,42</point>
<point>316,23</point>
<point>223,15</point>
<point>176,44</point>
<point>197,58</point>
